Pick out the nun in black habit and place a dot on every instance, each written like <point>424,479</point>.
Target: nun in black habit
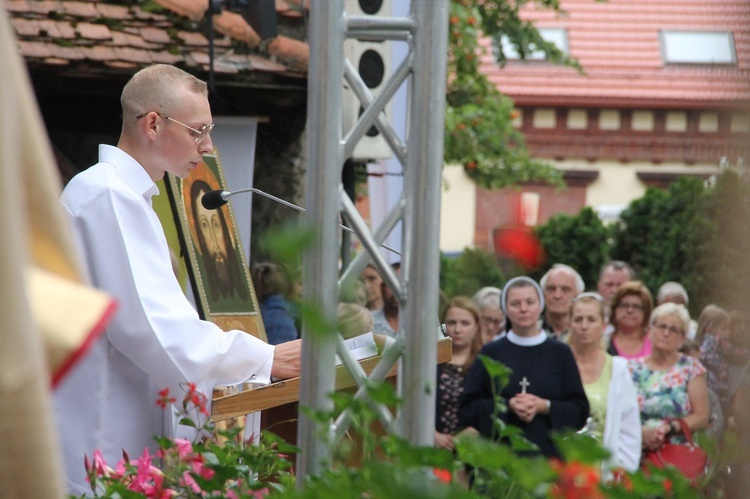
<point>544,392</point>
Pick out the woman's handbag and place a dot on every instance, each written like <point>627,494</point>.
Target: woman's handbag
<point>690,459</point>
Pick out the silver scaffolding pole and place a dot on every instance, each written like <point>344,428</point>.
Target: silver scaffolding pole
<point>320,271</point>
<point>421,156</point>
<point>421,223</point>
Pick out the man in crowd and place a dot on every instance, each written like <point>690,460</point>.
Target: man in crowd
<point>156,341</point>
<point>373,283</point>
<point>560,285</point>
<point>611,275</point>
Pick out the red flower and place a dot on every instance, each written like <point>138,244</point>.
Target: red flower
<point>444,476</point>
<point>575,480</point>
<point>165,399</point>
<point>668,486</point>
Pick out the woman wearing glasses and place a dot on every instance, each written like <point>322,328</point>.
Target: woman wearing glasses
<point>670,385</point>
<point>631,308</point>
<point>615,417</point>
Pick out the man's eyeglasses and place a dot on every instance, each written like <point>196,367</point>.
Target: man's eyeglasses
<point>198,134</point>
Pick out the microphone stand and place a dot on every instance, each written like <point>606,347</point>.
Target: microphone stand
<point>225,195</point>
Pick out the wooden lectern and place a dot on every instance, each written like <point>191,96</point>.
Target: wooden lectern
<point>278,401</point>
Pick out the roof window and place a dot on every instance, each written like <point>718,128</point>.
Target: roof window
<point>697,47</point>
<point>558,36</point>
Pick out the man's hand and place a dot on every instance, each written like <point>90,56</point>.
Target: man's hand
<point>287,360</point>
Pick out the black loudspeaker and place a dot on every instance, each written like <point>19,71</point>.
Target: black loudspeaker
<point>259,14</point>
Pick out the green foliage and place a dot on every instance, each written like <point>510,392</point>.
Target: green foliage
<point>580,241</point>
<point>652,232</point>
<point>479,132</point>
<point>368,463</point>
<point>465,274</point>
<point>692,234</point>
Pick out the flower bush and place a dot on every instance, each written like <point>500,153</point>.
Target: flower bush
<point>217,463</point>
<point>372,464</point>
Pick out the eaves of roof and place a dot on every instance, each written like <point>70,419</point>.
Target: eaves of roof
<point>92,37</point>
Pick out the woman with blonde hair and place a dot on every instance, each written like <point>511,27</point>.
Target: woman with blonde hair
<point>630,309</point>
<point>615,417</point>
<point>461,319</point>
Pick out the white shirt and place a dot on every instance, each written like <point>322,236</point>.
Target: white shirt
<point>156,339</point>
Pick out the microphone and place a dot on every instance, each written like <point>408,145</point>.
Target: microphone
<point>214,200</point>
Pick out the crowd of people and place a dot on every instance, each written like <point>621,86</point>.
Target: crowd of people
<point>611,364</point>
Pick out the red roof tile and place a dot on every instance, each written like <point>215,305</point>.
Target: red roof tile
<point>83,9</point>
<point>617,43</point>
<point>93,31</point>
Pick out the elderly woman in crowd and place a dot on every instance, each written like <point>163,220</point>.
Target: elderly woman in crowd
<point>675,292</point>
<point>631,307</point>
<point>491,316</point>
<point>544,391</point>
<point>615,417</point>
<point>670,385</point>
<point>461,319</point>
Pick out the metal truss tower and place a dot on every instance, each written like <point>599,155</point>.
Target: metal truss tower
<point>424,30</point>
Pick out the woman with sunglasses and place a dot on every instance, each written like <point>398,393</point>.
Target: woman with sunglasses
<point>615,417</point>
<point>630,310</point>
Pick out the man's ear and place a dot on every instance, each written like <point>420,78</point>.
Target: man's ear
<point>149,125</point>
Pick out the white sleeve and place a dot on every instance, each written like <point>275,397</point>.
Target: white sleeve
<point>156,327</point>
<point>629,439</point>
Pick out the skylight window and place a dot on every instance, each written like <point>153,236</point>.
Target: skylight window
<point>558,36</point>
<point>697,47</point>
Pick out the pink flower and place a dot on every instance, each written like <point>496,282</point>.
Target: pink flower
<point>190,482</point>
<point>200,470</point>
<point>148,479</point>
<point>184,448</point>
<point>100,467</point>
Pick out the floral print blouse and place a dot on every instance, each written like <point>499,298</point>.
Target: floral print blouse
<point>449,390</point>
<point>662,394</point>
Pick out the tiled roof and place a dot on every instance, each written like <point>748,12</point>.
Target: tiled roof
<point>110,36</point>
<point>617,43</point>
